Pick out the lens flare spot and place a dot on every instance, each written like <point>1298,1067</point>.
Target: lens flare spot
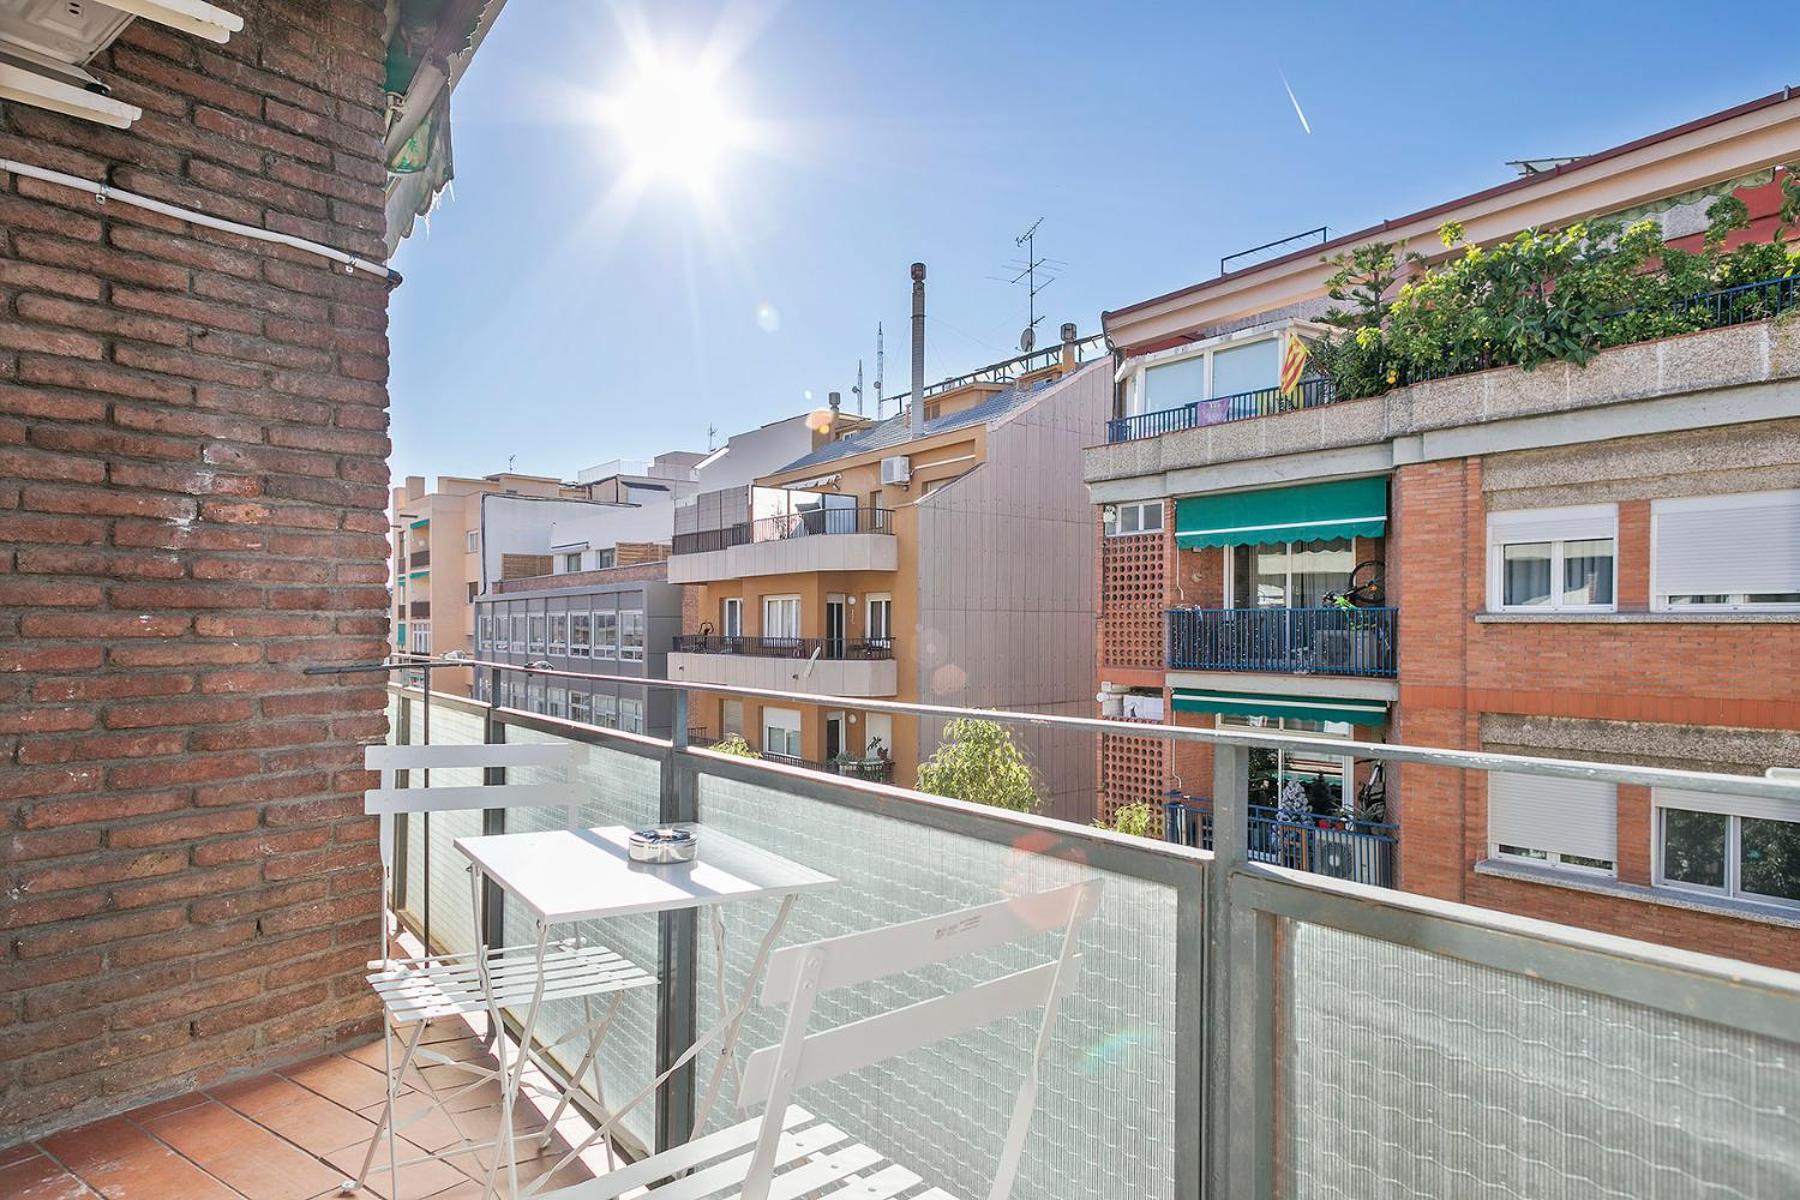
<point>768,317</point>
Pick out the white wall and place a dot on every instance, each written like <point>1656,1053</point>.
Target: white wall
<point>527,525</point>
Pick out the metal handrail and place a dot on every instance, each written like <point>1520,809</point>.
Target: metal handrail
<point>808,522</point>
<point>831,649</point>
<point>1762,787</point>
<point>1316,392</point>
<point>1309,641</point>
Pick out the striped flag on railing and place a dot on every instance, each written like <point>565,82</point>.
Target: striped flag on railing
<point>1293,364</point>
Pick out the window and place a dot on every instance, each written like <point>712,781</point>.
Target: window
<point>781,732</point>
<point>606,711</point>
<point>605,558</point>
<point>781,617</point>
<point>580,708</point>
<point>517,641</point>
<point>571,561</point>
<point>880,618</point>
<point>535,643</point>
<point>1567,823</point>
<point>1739,846</point>
<point>474,590</point>
<point>631,635</point>
<point>473,541</point>
<point>606,635</point>
<point>559,633</point>
<point>731,718</point>
<point>484,630</point>
<point>555,701</point>
<point>421,637</point>
<point>1137,518</point>
<point>580,631</point>
<point>731,617</point>
<point>1553,559</point>
<point>1288,574</point>
<point>631,715</point>
<point>1279,778</point>
<point>1726,553</point>
<point>1228,370</point>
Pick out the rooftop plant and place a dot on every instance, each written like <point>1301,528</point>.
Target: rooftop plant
<point>1540,296</point>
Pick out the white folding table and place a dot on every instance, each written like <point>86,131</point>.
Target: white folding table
<point>564,876</point>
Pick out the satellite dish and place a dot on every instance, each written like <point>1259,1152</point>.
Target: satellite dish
<point>1027,340</point>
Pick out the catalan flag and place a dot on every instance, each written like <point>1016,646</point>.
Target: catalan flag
<point>1293,365</point>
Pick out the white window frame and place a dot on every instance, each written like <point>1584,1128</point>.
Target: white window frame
<point>419,634</point>
<point>1135,402</point>
<point>1138,510</point>
<point>633,634</point>
<point>606,710</point>
<point>731,617</point>
<point>777,720</point>
<point>559,634</point>
<point>731,718</point>
<point>583,623</point>
<point>535,624</point>
<point>1662,799</point>
<point>631,714</point>
<point>606,621</point>
<point>580,707</point>
<point>605,558</point>
<point>516,630</point>
<point>1557,527</point>
<point>1287,579</point>
<point>556,700</point>
<point>569,562</point>
<point>1659,601</point>
<point>881,630</point>
<point>472,541</point>
<point>787,605</point>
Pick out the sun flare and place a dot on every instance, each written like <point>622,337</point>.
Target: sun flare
<point>675,123</point>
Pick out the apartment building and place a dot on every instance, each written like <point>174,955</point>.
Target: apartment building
<point>1598,561</point>
<point>583,584</point>
<point>436,562</point>
<point>939,556</point>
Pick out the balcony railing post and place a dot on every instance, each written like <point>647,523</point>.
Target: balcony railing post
<point>1240,1116</point>
<point>493,820</point>
<point>677,994</point>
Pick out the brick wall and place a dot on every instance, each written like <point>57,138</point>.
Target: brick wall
<point>649,572</point>
<point>192,445</point>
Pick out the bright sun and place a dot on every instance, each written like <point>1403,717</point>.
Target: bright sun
<point>675,123</point>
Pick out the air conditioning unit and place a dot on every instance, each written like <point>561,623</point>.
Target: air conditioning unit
<point>1336,860</point>
<point>45,43</point>
<point>896,470</point>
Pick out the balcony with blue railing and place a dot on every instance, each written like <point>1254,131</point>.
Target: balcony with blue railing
<point>1295,641</point>
<point>1241,406</point>
<point>1331,844</point>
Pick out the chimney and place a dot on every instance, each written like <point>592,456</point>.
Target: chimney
<point>1068,347</point>
<point>836,401</point>
<point>918,351</point>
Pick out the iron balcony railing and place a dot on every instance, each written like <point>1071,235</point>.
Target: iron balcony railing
<point>811,522</point>
<point>853,649</point>
<point>873,770</point>
<point>1340,846</point>
<point>1241,406</point>
<point>1299,641</point>
<point>420,558</point>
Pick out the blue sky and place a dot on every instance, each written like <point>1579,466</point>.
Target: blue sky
<point>541,320</point>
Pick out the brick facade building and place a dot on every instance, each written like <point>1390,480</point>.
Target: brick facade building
<point>192,485</point>
<point>1536,537</point>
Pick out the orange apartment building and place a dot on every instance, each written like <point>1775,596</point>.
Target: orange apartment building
<point>436,539</point>
<point>939,562</point>
<point>1598,562</point>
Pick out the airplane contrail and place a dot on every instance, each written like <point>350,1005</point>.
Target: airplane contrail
<point>1304,124</point>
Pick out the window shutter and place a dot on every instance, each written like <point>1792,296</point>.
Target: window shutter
<point>1562,816</point>
<point>1554,524</point>
<point>1716,802</point>
<point>1728,544</point>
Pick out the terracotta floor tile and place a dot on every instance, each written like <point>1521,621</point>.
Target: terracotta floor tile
<point>37,1177</point>
<point>243,1154</point>
<point>122,1162</point>
<point>162,1108</point>
<point>342,1079</point>
<point>307,1119</point>
<point>417,1181</point>
<point>18,1153</point>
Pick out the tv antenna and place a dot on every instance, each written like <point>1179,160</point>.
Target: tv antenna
<point>857,390</point>
<point>1035,274</point>
<point>712,435</point>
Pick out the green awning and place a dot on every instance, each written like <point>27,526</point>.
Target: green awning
<point>421,523</point>
<point>1339,509</point>
<point>1304,708</point>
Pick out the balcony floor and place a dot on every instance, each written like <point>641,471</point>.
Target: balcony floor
<point>292,1134</point>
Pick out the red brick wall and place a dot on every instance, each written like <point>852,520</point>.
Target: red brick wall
<point>649,572</point>
<point>192,445</point>
<point>1454,669</point>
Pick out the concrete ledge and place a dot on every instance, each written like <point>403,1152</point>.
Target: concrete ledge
<point>1724,906</point>
<point>1637,618</point>
<point>1274,683</point>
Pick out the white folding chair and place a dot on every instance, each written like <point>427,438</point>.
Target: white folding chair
<point>787,1152</point>
<point>416,991</point>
